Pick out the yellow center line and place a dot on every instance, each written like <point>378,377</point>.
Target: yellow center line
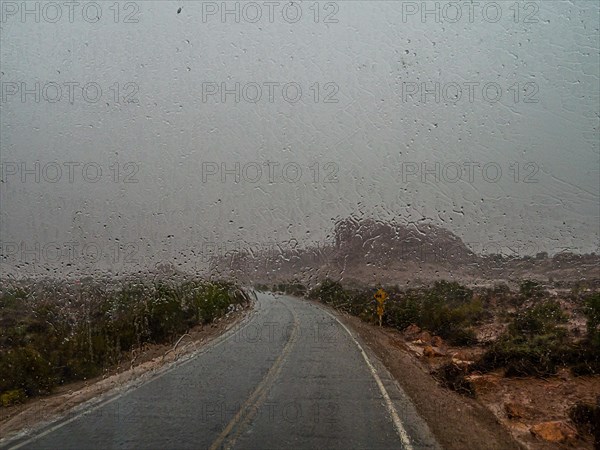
<point>250,407</point>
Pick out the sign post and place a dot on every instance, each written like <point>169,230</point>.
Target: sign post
<point>381,296</point>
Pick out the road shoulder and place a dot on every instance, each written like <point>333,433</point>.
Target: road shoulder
<point>456,421</point>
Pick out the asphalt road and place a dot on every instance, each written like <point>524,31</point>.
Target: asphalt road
<point>290,376</point>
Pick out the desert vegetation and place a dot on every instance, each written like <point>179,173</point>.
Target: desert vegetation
<point>56,332</point>
<point>539,333</point>
<point>536,338</point>
<point>446,309</point>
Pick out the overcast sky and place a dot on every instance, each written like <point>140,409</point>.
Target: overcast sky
<point>392,104</point>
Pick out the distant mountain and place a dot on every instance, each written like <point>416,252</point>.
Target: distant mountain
<point>368,250</point>
<point>374,242</point>
<point>356,243</point>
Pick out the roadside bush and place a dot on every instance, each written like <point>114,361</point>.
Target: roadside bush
<point>404,310</point>
<point>452,292</point>
<point>70,333</point>
<point>124,316</point>
<point>166,315</point>
<point>586,418</point>
<point>330,292</point>
<point>452,377</point>
<point>211,301</point>
<point>13,397</point>
<point>585,360</point>
<point>533,345</point>
<point>447,309</point>
<point>460,336</point>
<point>543,318</point>
<point>536,356</point>
<point>24,368</point>
<point>357,303</point>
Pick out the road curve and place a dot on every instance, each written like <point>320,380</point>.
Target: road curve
<point>290,376</point>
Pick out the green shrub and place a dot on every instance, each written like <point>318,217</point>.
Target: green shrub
<point>447,309</point>
<point>13,397</point>
<point>542,318</point>
<point>531,289</point>
<point>13,298</point>
<point>165,314</point>
<point>403,311</point>
<point>69,333</point>
<point>451,292</point>
<point>26,369</point>
<point>520,356</point>
<point>330,292</point>
<point>460,336</point>
<point>211,301</point>
<point>534,344</point>
<point>585,359</point>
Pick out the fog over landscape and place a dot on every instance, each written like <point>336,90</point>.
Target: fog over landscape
<point>185,161</point>
<point>300,225</point>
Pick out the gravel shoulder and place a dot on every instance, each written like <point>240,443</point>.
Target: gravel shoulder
<point>456,421</point>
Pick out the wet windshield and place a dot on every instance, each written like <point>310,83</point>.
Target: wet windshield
<point>305,224</point>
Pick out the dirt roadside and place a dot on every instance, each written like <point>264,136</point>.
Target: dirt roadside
<point>457,422</point>
<point>143,364</point>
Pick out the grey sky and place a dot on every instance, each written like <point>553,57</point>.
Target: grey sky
<point>371,142</point>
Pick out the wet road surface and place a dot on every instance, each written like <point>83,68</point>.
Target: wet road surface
<point>289,376</point>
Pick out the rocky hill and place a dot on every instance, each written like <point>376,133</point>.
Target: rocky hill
<point>368,250</point>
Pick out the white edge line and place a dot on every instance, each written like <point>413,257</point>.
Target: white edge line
<point>388,401</point>
<point>187,358</point>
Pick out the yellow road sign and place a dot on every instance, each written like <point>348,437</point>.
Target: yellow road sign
<point>381,296</point>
